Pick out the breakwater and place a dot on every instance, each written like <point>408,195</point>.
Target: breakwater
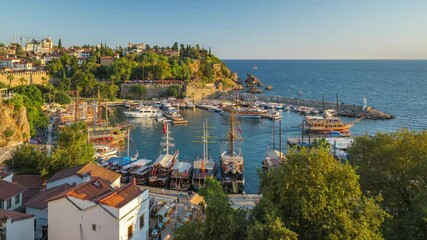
<point>344,110</point>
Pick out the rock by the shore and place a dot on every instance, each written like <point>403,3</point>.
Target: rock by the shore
<point>251,80</point>
<point>269,87</point>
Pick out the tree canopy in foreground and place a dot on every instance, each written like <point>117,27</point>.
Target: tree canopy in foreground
<point>395,166</point>
<point>310,196</point>
<point>316,197</point>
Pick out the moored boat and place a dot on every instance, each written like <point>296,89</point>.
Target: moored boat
<point>232,163</point>
<point>317,124</point>
<point>181,176</point>
<point>143,112</point>
<point>204,167</point>
<point>160,173</point>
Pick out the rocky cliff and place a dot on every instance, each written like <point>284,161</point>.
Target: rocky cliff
<point>251,80</point>
<point>14,126</point>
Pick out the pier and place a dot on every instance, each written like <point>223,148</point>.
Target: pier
<point>343,110</point>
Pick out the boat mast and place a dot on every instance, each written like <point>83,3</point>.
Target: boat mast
<point>231,136</point>
<point>274,135</point>
<point>205,139</point>
<point>167,139</point>
<point>128,142</point>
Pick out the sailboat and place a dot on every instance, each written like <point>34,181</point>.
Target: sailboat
<point>232,164</point>
<point>160,174</point>
<point>205,167</point>
<point>116,163</point>
<point>274,156</point>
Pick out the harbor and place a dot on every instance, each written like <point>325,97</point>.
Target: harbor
<point>163,133</point>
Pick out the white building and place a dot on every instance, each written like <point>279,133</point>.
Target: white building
<point>8,62</point>
<point>16,225</point>
<point>23,65</point>
<point>42,46</point>
<point>75,175</point>
<point>10,195</point>
<point>85,53</point>
<point>37,206</point>
<point>94,210</point>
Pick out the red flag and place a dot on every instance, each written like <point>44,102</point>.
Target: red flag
<point>164,129</point>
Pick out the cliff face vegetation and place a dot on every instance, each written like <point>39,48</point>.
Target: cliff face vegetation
<point>194,65</point>
<point>14,126</point>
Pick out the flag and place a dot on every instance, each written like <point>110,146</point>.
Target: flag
<point>164,128</point>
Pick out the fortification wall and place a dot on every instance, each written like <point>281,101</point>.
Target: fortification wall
<point>201,92</point>
<point>153,91</point>
<point>31,77</point>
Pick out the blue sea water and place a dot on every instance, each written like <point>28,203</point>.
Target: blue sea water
<point>398,87</point>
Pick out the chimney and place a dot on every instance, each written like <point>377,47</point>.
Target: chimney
<point>86,177</point>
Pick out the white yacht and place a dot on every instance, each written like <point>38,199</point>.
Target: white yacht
<point>143,112</point>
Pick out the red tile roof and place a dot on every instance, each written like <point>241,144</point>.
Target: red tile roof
<point>40,200</point>
<point>8,190</point>
<point>87,191</point>
<point>90,168</point>
<point>121,196</point>
<point>99,191</point>
<point>14,216</point>
<point>31,182</point>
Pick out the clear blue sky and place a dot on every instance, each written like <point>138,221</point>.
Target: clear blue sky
<point>242,29</point>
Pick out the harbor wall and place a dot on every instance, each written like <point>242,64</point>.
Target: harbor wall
<point>31,77</point>
<point>159,91</point>
<point>311,103</point>
<point>198,93</point>
<point>153,91</point>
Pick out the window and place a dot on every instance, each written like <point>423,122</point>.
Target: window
<point>141,221</point>
<point>94,227</point>
<point>1,204</point>
<point>9,203</point>
<point>130,232</point>
<point>17,199</point>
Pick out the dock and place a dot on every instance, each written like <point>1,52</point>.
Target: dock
<point>343,110</point>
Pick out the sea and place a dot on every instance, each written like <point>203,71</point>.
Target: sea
<point>398,87</point>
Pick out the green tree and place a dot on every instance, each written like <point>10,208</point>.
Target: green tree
<point>73,148</point>
<point>221,222</point>
<point>175,46</point>
<point>59,44</point>
<point>33,102</point>
<point>316,197</point>
<point>395,166</point>
<point>191,231</point>
<point>62,97</point>
<point>138,90</point>
<point>10,78</point>
<point>27,159</point>
<point>22,80</point>
<point>271,228</point>
<point>321,143</point>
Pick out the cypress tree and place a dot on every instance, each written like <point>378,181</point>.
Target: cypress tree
<point>59,44</point>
